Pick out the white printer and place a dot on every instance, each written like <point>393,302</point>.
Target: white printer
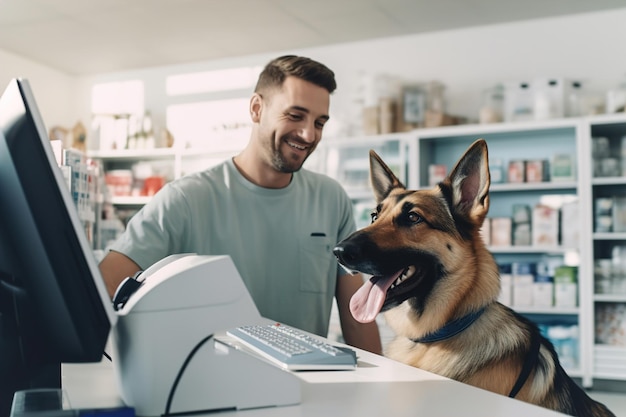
<point>183,301</point>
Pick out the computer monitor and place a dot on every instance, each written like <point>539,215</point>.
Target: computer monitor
<point>54,307</point>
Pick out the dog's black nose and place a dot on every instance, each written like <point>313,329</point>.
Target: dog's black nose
<point>346,253</point>
<point>338,251</point>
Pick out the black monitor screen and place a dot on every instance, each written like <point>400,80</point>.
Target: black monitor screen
<point>54,307</point>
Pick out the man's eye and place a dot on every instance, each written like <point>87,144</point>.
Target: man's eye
<point>415,218</point>
<point>374,216</point>
<point>294,116</point>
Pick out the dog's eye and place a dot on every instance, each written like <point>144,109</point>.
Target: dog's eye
<point>374,216</point>
<point>414,217</point>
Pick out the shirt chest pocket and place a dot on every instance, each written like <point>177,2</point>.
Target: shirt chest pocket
<point>316,260</point>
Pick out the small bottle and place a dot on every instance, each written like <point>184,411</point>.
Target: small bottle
<point>574,106</point>
<point>492,108</point>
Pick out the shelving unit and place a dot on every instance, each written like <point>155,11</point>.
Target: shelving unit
<point>409,154</point>
<point>172,163</point>
<point>509,142</point>
<point>609,361</point>
<point>520,140</point>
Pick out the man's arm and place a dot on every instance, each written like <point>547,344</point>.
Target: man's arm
<point>114,268</point>
<point>361,335</point>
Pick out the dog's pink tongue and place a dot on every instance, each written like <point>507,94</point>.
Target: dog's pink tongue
<point>366,303</point>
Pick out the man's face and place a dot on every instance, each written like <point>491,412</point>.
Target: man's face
<point>291,122</point>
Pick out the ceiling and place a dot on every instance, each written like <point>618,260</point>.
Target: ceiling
<point>82,37</point>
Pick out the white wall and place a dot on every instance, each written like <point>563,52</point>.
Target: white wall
<point>586,46</point>
<point>54,91</point>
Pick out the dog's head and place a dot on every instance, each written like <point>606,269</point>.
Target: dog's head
<point>422,246</point>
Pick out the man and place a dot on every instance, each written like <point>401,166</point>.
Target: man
<point>278,223</point>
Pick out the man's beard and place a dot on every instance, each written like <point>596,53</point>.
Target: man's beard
<point>284,164</point>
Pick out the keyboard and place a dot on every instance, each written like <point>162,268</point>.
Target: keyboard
<point>293,349</point>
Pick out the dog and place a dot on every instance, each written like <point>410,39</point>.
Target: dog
<point>437,284</point>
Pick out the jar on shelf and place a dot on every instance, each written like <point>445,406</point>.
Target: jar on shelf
<point>618,280</point>
<point>574,105</point>
<point>492,107</point>
<point>616,99</point>
<point>602,275</point>
<point>434,97</point>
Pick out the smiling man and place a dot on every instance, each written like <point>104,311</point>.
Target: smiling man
<point>278,222</point>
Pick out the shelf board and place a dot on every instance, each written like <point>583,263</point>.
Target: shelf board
<point>121,154</point>
<point>497,128</point>
<point>530,249</point>
<point>611,298</point>
<point>527,186</point>
<point>535,186</point>
<point>570,311</point>
<point>609,236</point>
<point>130,200</point>
<point>608,181</point>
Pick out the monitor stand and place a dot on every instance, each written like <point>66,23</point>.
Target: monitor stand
<point>173,314</point>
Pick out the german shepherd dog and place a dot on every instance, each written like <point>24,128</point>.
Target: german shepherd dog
<point>438,286</point>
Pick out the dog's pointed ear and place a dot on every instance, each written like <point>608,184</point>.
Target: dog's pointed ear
<point>382,178</point>
<point>470,180</point>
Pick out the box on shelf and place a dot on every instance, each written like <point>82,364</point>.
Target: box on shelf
<point>119,182</point>
<point>537,170</point>
<point>543,290</point>
<point>517,171</point>
<point>570,225</point>
<point>506,285</point>
<point>521,234</point>
<point>485,231</point>
<point>523,280</point>
<point>501,228</point>
<point>436,173</point>
<point>496,170</point>
<point>545,226</point>
<point>566,286</point>
<point>562,167</point>
<point>521,213</point>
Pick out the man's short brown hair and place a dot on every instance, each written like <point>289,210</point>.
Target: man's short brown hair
<point>275,72</point>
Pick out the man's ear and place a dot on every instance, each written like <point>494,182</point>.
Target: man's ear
<point>256,104</point>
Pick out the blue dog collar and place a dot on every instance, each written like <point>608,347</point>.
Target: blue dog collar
<point>451,328</point>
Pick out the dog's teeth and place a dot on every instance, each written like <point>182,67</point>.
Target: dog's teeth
<point>410,270</point>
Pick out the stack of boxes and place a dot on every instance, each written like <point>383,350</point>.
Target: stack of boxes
<point>541,226</point>
<point>543,284</point>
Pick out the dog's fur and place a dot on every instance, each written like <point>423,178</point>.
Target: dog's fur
<point>437,232</point>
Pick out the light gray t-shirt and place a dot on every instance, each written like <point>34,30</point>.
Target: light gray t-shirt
<point>280,240</point>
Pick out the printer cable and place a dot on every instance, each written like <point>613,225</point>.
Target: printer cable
<point>170,397</point>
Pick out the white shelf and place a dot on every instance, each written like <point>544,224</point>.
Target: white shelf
<point>608,181</point>
<point>530,249</point>
<point>130,201</point>
<point>479,130</point>
<point>610,298</point>
<point>134,154</point>
<point>572,311</point>
<point>176,162</point>
<point>536,186</point>
<point>609,236</point>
